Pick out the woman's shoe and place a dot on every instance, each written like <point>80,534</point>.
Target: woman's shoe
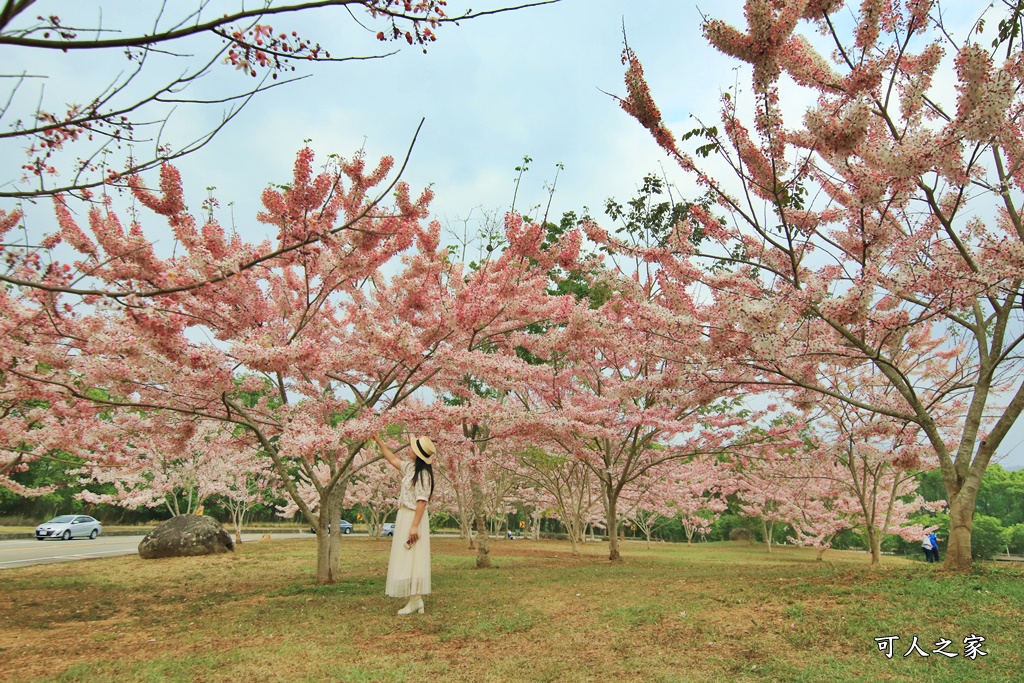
<point>415,604</point>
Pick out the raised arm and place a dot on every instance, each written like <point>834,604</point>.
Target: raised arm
<point>388,455</point>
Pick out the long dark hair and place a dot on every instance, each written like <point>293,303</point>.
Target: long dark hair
<point>422,467</point>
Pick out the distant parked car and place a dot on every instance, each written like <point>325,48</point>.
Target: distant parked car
<point>346,527</point>
<point>66,527</point>
<point>388,530</point>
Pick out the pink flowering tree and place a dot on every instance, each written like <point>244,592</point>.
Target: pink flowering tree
<point>534,504</point>
<point>455,496</point>
<point>247,479</point>
<point>697,494</point>
<point>476,465</point>
<point>36,418</point>
<point>500,490</point>
<point>795,488</point>
<point>357,361</point>
<point>282,334</point>
<point>885,216</point>
<point>164,461</point>
<point>698,522</point>
<point>634,381</point>
<point>374,490</point>
<point>567,487</point>
<point>875,460</point>
<point>498,304</point>
<point>776,482</point>
<point>489,461</point>
<point>850,470</point>
<point>647,503</point>
<point>616,402</point>
<point>764,492</point>
<point>431,325</point>
<point>34,428</point>
<point>481,486</point>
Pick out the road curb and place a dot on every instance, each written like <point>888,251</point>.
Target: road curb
<point>143,532</point>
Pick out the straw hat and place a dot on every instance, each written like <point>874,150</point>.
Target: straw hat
<point>423,447</point>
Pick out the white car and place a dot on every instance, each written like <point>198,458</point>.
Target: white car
<point>67,527</point>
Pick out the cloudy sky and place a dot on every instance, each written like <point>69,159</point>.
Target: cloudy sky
<point>490,91</point>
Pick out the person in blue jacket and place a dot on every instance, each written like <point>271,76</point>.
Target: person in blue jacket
<point>935,546</point>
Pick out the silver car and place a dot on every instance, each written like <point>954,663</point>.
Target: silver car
<point>67,527</point>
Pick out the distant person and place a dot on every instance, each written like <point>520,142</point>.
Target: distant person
<point>926,546</point>
<point>409,565</point>
<point>933,539</point>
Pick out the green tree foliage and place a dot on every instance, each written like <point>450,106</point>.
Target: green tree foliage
<point>986,537</point>
<point>1001,494</point>
<point>652,215</point>
<point>1013,539</point>
<point>44,472</point>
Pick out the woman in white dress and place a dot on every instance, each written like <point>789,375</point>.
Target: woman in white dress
<point>409,566</point>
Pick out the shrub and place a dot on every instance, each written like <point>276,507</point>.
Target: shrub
<point>986,537</point>
<point>741,534</point>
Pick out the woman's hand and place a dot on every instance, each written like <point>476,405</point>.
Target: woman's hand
<point>414,532</point>
<point>388,455</point>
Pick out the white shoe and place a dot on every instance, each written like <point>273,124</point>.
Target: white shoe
<point>415,604</point>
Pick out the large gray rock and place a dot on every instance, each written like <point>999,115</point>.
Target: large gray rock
<point>184,536</point>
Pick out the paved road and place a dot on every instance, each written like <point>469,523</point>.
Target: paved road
<point>21,553</point>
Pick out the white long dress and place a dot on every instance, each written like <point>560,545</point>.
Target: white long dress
<point>409,568</point>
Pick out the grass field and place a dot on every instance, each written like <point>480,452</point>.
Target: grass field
<point>711,612</point>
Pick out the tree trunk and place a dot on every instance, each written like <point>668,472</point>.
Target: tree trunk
<point>373,523</point>
<point>466,528</point>
<point>238,519</point>
<point>613,527</point>
<point>875,543</point>
<point>328,543</point>
<point>483,549</point>
<point>768,530</point>
<point>961,521</point>
<point>577,528</point>
<point>574,542</point>
<point>327,558</point>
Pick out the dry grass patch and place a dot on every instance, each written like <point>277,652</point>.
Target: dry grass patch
<point>669,613</point>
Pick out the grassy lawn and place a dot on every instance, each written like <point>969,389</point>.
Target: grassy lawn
<point>711,612</point>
